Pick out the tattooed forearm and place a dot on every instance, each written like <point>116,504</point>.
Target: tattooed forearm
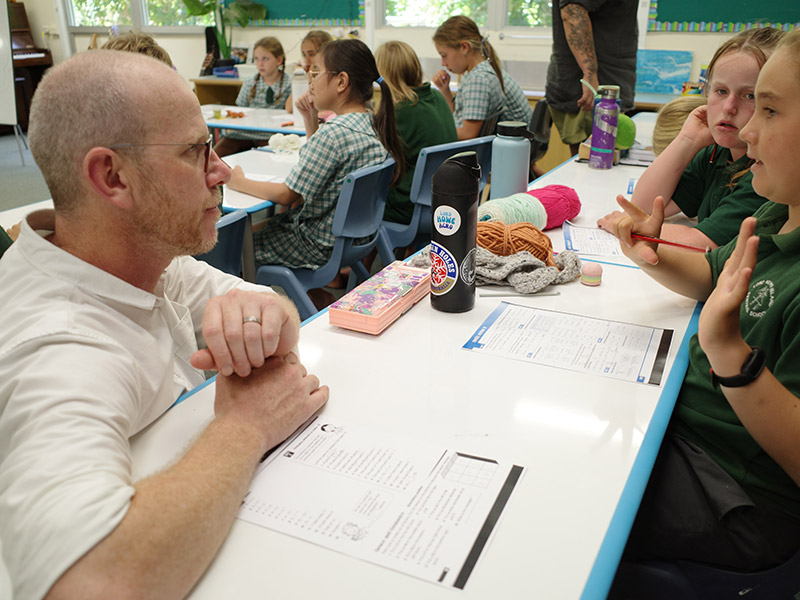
<point>578,29</point>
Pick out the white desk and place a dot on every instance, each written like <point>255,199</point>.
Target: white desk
<point>260,162</point>
<point>270,120</point>
<point>588,444</point>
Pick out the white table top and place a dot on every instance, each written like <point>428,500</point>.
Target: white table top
<point>588,442</point>
<point>256,162</point>
<point>271,120</point>
<point>12,216</point>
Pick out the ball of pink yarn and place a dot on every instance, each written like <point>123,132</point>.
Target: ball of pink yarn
<point>560,203</point>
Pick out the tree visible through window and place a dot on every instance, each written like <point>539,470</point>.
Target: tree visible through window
<point>107,13</point>
<point>530,13</point>
<point>432,13</point>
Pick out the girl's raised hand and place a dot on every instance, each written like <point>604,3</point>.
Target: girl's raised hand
<point>718,327</point>
<point>635,220</point>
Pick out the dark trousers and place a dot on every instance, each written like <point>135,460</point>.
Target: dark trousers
<point>693,510</point>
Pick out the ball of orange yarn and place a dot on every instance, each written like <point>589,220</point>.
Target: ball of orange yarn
<point>505,240</point>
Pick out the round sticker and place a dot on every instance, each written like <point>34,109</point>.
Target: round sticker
<point>446,220</point>
<point>444,270</point>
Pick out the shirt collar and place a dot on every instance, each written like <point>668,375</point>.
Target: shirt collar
<point>61,265</point>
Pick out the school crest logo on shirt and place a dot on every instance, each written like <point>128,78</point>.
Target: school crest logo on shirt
<point>759,298</point>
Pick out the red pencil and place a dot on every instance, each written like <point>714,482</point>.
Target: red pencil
<point>655,240</point>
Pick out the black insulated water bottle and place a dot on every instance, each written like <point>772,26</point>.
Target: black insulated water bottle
<point>454,230</point>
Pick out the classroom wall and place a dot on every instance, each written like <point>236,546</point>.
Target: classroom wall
<point>187,51</point>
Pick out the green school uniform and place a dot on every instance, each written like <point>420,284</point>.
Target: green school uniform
<point>426,122</point>
<point>704,192</point>
<point>770,319</point>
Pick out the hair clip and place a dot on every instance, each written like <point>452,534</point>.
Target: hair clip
<point>379,80</point>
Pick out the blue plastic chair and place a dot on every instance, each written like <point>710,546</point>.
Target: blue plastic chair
<point>695,581</point>
<point>227,254</point>
<point>399,235</point>
<point>359,211</point>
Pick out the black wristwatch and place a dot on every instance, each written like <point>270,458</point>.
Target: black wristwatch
<point>751,369</point>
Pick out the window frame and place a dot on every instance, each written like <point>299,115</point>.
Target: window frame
<point>138,17</point>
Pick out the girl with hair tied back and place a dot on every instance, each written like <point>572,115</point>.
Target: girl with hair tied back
<point>485,89</point>
<point>423,118</point>
<point>342,77</point>
<point>271,87</point>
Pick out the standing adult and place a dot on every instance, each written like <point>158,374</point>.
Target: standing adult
<point>593,40</point>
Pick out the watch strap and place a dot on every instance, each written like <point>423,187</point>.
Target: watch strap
<point>751,368</point>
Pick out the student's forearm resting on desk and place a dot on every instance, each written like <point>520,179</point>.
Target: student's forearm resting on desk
<point>765,407</point>
<point>278,193</point>
<point>578,31</point>
<point>662,177</point>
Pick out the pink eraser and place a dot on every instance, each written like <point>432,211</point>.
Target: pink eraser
<point>591,274</point>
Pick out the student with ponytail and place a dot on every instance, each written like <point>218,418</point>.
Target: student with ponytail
<point>271,87</point>
<point>484,88</point>
<point>342,77</point>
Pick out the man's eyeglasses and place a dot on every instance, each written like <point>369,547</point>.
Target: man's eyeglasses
<point>194,147</point>
<point>314,74</point>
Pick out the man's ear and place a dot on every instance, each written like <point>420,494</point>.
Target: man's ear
<point>107,174</point>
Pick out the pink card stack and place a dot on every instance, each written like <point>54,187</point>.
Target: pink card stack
<point>379,301</point>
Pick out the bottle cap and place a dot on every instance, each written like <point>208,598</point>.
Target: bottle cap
<point>514,129</point>
<point>458,175</point>
<point>608,91</point>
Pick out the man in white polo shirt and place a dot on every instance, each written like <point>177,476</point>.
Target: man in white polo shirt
<point>106,320</point>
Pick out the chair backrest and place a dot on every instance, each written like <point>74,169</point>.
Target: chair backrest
<point>490,124</point>
<point>362,200</point>
<point>540,127</point>
<point>227,254</point>
<point>432,157</point>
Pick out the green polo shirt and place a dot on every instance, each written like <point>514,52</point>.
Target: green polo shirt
<point>770,319</point>
<point>5,241</point>
<point>427,122</point>
<point>704,192</point>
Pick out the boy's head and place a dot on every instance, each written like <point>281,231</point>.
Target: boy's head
<point>136,41</point>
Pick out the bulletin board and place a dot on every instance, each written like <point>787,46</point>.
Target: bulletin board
<point>312,13</point>
<point>691,15</point>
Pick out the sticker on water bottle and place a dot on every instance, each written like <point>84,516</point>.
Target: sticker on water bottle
<point>444,270</point>
<point>446,220</point>
<point>468,268</point>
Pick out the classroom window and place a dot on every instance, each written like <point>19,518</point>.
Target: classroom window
<point>427,13</point>
<point>133,13</point>
<point>530,13</point>
<point>173,13</point>
<point>101,13</point>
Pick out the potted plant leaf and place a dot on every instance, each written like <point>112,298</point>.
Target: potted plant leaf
<point>227,13</point>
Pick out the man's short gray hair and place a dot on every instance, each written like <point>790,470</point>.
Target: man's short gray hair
<point>94,99</point>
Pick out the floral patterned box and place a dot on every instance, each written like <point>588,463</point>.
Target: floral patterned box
<point>379,301</point>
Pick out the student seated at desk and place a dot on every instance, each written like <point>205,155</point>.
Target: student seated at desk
<point>342,78</point>
<point>423,118</point>
<point>106,320</point>
<point>484,88</point>
<point>308,48</point>
<point>703,172</point>
<point>725,487</point>
<point>271,87</point>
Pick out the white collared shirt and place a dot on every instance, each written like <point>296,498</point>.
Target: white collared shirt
<point>86,361</point>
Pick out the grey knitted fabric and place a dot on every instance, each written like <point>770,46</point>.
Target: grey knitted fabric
<point>522,271</point>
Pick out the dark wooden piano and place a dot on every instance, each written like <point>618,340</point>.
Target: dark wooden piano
<point>30,62</point>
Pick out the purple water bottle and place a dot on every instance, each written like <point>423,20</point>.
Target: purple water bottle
<point>604,128</point>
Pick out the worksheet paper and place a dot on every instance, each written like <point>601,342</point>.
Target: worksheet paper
<point>585,344</point>
<point>590,240</point>
<point>413,507</point>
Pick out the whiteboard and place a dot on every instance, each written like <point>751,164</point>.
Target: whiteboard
<point>8,103</point>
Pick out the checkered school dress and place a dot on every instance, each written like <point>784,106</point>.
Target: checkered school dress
<point>283,85</point>
<point>303,236</point>
<point>480,95</point>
